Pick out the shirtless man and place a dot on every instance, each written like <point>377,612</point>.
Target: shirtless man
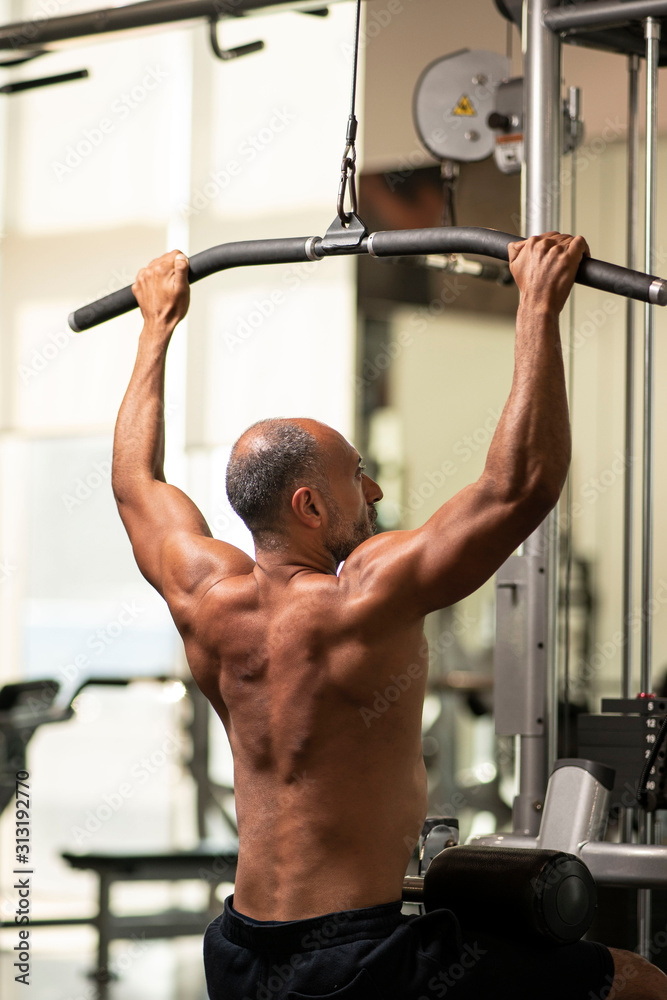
<point>290,654</point>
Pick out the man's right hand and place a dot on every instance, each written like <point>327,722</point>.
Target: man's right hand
<point>544,268</point>
<point>163,291</point>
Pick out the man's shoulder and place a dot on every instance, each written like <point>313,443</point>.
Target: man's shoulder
<point>382,556</point>
<point>200,570</point>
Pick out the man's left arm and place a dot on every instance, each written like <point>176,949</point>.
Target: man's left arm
<point>172,543</point>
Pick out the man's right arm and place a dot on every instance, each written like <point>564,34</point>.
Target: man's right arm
<point>470,536</point>
<point>171,541</point>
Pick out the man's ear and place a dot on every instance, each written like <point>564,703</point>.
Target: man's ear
<point>308,507</point>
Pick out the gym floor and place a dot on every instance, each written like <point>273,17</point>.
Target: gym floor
<point>160,970</point>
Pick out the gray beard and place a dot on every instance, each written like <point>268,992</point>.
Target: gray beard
<point>343,539</point>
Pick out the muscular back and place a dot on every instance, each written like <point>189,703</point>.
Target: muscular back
<point>330,796</point>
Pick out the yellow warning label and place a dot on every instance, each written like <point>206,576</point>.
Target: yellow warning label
<point>464,107</point>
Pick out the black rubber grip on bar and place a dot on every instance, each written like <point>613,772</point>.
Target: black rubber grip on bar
<point>400,243</point>
<point>594,273</point>
<point>248,252</point>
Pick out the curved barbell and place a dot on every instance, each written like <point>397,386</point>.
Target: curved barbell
<point>394,243</point>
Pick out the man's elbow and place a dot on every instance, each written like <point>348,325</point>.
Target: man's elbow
<point>129,486</point>
<point>548,480</point>
<point>543,485</point>
<point>543,496</point>
<point>118,478</point>
<point>118,487</point>
<point>533,497</point>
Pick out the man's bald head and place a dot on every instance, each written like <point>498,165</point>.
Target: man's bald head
<point>269,462</point>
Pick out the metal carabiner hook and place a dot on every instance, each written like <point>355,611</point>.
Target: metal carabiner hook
<point>347,176</point>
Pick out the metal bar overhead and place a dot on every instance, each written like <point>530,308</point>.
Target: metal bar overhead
<point>32,34</point>
<point>600,15</point>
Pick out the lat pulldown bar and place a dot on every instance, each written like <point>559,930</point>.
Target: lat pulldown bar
<point>400,243</point>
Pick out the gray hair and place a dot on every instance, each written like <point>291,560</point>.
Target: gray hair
<point>271,460</point>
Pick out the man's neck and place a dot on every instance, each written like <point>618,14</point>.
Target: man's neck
<point>292,559</point>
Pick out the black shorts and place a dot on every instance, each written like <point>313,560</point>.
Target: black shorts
<point>379,953</point>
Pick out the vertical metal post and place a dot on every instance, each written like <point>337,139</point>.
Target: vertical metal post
<point>541,212</point>
<point>631,261</point>
<point>628,503</point>
<point>541,207</point>
<point>574,125</point>
<point>652,36</point>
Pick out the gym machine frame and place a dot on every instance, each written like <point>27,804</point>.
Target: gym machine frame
<point>573,814</point>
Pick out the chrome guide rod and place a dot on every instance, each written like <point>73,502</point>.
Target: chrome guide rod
<point>652,34</point>
<point>574,118</point>
<point>628,500</point>
<point>646,827</point>
<point>631,260</point>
